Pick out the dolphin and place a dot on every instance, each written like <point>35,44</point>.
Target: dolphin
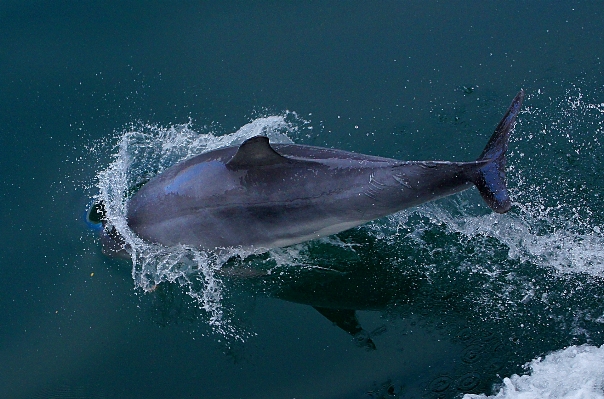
<point>261,195</point>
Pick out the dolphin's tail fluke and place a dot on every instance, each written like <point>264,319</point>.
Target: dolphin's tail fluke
<point>490,177</point>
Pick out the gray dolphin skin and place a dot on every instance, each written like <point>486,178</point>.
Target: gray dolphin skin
<point>260,195</point>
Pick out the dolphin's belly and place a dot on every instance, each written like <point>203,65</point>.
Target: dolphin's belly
<point>243,220</point>
<point>207,206</point>
<point>246,226</point>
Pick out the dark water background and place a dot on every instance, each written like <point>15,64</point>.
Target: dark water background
<point>454,298</point>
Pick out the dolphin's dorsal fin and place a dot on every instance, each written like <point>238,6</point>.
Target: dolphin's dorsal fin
<point>255,151</point>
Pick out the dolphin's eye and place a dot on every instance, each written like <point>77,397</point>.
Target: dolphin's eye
<point>97,213</point>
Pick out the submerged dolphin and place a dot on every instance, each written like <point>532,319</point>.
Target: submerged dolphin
<point>260,195</point>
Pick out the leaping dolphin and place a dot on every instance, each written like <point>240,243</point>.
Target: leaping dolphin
<point>262,195</point>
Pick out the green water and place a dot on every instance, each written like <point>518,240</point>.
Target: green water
<point>452,297</point>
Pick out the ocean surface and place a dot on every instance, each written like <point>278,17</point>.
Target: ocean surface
<point>446,300</point>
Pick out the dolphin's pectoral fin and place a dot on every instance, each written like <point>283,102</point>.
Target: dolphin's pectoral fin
<point>347,320</point>
<point>256,151</point>
<point>489,178</point>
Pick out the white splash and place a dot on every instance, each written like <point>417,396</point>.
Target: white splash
<point>146,150</point>
<point>576,372</point>
<point>564,249</point>
<point>553,222</point>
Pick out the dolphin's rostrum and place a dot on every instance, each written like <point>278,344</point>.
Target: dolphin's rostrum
<point>260,195</point>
